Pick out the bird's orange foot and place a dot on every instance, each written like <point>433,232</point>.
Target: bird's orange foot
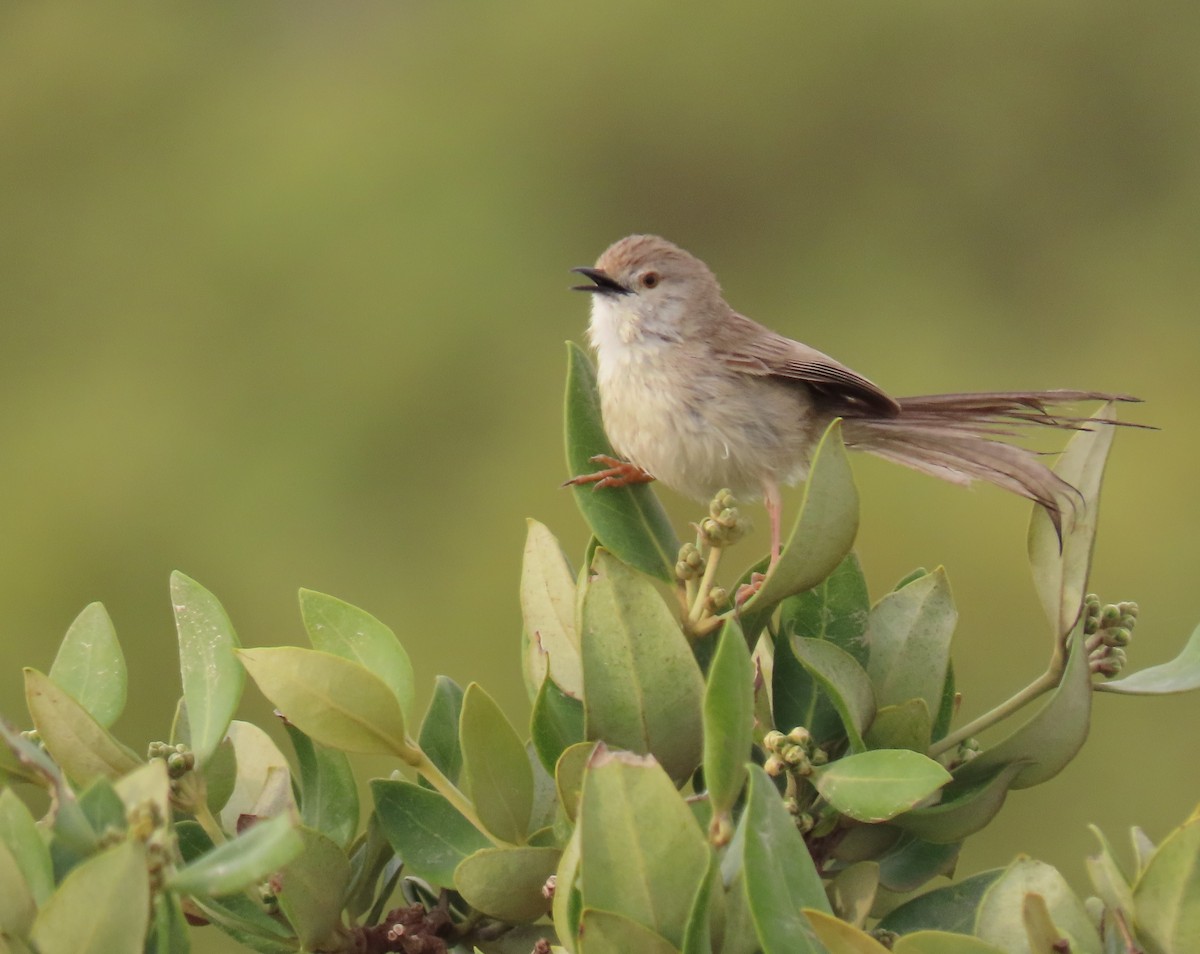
<point>616,473</point>
<point>747,590</point>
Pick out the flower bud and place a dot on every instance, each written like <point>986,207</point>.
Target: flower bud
<point>1117,637</point>
<point>773,766</point>
<point>800,735</point>
<point>773,739</point>
<point>1110,615</point>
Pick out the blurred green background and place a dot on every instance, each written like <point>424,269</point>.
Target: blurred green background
<point>284,293</point>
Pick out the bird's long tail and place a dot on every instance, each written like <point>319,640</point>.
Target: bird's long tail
<point>961,437</point>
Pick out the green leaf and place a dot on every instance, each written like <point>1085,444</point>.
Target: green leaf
<point>90,665</point>
<point>19,832</point>
<point>852,891</point>
<point>875,786</point>
<point>999,922</point>
<point>1181,674</point>
<point>146,788</point>
<point>728,722</point>
<point>263,784</point>
<point>103,808</point>
<point>941,942</point>
<point>17,904</point>
<point>628,521</point>
<point>568,775</point>
<point>333,700</point>
<point>909,633</point>
<point>328,792</point>
<point>336,627</point>
<point>370,853</point>
<point>429,834</point>
<point>568,901</point>
<point>840,937</point>
<point>496,771</point>
<point>605,932</point>
<point>508,883</point>
<point>311,888</point>
<point>556,722</point>
<point>1050,739</point>
<point>911,862</point>
<point>212,678</point>
<point>263,849</point>
<point>643,689</point>
<point>823,534</point>
<point>1111,883</point>
<point>642,853</point>
<point>78,743</point>
<point>1166,897</point>
<point>707,907</point>
<point>904,726</point>
<point>780,879</point>
<point>101,907</point>
<point>835,610</point>
<point>844,683</point>
<point>945,713</point>
<point>951,908</point>
<point>1060,573</point>
<point>548,610</point>
<point>964,809</point>
<point>169,933</point>
<point>439,729</point>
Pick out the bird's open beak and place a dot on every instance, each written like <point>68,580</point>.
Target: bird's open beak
<point>605,284</point>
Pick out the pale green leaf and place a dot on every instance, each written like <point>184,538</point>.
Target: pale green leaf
<point>19,831</point>
<point>251,857</point>
<point>1000,922</point>
<point>728,721</point>
<point>548,610</point>
<point>508,883</point>
<point>328,791</point>
<point>1181,674</point>
<point>429,834</point>
<point>605,932</point>
<point>843,681</point>
<point>496,772</point>
<point>878,785</point>
<point>259,762</point>
<point>311,887</point>
<point>1166,897</point>
<point>840,937</point>
<point>90,665</point>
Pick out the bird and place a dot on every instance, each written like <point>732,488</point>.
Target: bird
<point>702,398</point>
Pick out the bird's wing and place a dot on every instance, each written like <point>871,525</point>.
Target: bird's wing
<point>748,347</point>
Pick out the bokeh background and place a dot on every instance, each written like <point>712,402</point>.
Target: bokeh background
<point>284,291</point>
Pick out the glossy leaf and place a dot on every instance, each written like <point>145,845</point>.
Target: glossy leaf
<point>90,665</point>
<point>428,833</point>
<point>910,862</point>
<point>643,688</point>
<point>909,633</point>
<point>1052,737</point>
<point>212,678</point>
<point>336,627</point>
<point>1060,572</point>
<point>508,883</point>
<point>780,879</point>
<point>548,610</point>
<point>823,534</point>
<point>942,942</point>
<point>840,937</point>
<point>259,761</point>
<point>83,748</point>
<point>963,811</point>
<point>556,722</point>
<point>333,700</point>
<point>875,786</point>
<point>1166,897</point>
<point>101,907</point>
<point>642,853</point>
<point>496,772</point>
<point>843,681</point>
<point>1181,674</point>
<point>728,721</point>
<point>311,887</point>
<point>243,861</point>
<point>951,908</point>
<point>19,832</point>
<point>605,932</point>
<point>628,521</point>
<point>328,792</point>
<point>439,728</point>
<point>999,922</point>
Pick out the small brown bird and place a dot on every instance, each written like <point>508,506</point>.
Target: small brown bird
<point>701,397</point>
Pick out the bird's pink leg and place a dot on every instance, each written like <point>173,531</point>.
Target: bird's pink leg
<point>617,473</point>
<point>774,513</point>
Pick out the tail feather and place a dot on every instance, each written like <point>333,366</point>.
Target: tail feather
<point>955,437</point>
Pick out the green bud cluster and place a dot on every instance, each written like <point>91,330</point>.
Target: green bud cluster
<point>723,526</point>
<point>793,752</point>
<point>179,758</point>
<point>690,563</point>
<point>1109,628</point>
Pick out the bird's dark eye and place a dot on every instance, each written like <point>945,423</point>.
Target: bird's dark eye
<point>650,279</point>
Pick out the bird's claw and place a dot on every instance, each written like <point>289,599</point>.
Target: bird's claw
<point>616,473</point>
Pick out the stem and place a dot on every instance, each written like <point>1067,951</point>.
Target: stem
<point>1042,684</point>
<point>710,572</point>
<point>449,791</point>
<point>205,819</point>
